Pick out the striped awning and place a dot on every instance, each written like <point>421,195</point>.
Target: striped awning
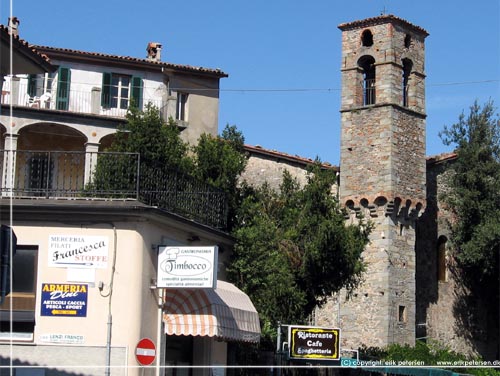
<point>225,312</point>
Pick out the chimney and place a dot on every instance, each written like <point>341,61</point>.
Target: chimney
<point>14,26</point>
<point>154,51</point>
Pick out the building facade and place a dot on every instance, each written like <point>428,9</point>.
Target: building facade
<point>85,270</point>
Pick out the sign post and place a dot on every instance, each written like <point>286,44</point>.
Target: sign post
<point>145,352</point>
<point>307,342</point>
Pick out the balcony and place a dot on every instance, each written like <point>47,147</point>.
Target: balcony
<point>101,175</point>
<point>80,102</point>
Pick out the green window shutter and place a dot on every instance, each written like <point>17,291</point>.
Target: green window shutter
<point>32,85</point>
<point>136,94</point>
<point>106,90</point>
<point>63,85</point>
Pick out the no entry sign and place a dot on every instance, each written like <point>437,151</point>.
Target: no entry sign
<point>145,352</point>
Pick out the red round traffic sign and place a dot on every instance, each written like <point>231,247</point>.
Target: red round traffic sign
<point>145,352</point>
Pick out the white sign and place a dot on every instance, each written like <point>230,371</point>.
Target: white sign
<point>78,251</point>
<point>187,267</point>
<point>62,338</point>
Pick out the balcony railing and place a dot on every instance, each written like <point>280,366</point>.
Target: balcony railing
<point>87,175</point>
<point>82,102</point>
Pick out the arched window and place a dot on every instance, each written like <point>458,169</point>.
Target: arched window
<point>407,65</point>
<point>441,259</point>
<point>367,64</point>
<point>408,41</point>
<point>367,38</point>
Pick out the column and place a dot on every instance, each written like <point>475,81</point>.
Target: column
<point>9,164</point>
<point>91,149</point>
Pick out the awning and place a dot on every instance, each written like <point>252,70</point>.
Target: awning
<point>225,312</point>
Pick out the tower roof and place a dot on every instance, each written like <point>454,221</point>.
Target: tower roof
<point>386,18</point>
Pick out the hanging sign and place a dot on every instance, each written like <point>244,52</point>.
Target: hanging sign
<point>313,343</point>
<point>187,267</point>
<point>78,251</point>
<point>64,299</point>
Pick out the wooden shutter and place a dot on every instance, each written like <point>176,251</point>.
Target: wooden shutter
<point>136,94</point>
<point>106,90</point>
<point>63,85</point>
<point>32,85</point>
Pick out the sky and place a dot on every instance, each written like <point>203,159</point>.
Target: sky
<point>282,56</point>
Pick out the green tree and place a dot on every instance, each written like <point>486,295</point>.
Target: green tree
<point>158,143</point>
<point>473,189</point>
<point>431,353</point>
<point>219,161</point>
<point>293,249</point>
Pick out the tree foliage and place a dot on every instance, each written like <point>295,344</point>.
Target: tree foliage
<point>473,188</point>
<point>431,353</point>
<point>158,143</point>
<point>219,161</point>
<point>293,248</point>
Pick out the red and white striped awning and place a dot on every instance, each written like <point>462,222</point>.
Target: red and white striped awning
<point>225,312</point>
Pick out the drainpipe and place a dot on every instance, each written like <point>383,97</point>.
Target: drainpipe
<point>107,370</point>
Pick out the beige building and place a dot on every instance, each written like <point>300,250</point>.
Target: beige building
<point>86,266</point>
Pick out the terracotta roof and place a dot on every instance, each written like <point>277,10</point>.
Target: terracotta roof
<point>23,46</point>
<point>381,20</point>
<point>292,158</point>
<point>443,157</point>
<point>61,52</point>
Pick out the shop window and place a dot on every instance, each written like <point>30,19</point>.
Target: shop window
<point>367,65</point>
<point>17,312</point>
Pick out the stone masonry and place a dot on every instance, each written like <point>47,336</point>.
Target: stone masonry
<point>382,174</point>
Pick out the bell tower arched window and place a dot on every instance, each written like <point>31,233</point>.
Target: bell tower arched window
<point>367,38</point>
<point>367,65</point>
<point>407,66</point>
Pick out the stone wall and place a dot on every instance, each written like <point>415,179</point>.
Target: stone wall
<point>267,166</point>
<point>447,310</point>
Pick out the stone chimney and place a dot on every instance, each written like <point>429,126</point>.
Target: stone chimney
<point>154,51</point>
<point>14,26</point>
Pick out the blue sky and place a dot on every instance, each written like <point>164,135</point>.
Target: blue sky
<point>282,56</point>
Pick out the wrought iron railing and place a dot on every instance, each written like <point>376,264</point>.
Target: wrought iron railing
<point>87,175</point>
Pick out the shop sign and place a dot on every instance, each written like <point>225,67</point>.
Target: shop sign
<point>187,267</point>
<point>78,251</point>
<point>70,339</point>
<point>64,299</point>
<point>313,343</point>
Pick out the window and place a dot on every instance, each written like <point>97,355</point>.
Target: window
<point>367,65</point>
<point>121,91</point>
<point>39,90</point>
<point>408,41</point>
<point>441,260</point>
<point>402,314</point>
<point>39,84</point>
<point>407,65</point>
<point>22,298</point>
<point>181,112</point>
<point>367,38</point>
<point>41,169</point>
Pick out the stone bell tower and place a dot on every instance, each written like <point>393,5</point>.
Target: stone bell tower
<point>382,171</point>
